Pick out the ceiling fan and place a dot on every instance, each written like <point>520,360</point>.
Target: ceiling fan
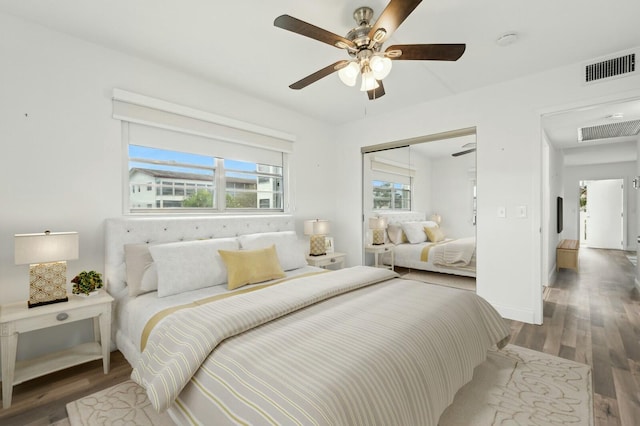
<point>471,147</point>
<point>364,44</point>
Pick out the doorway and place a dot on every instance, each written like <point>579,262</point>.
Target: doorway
<point>602,213</point>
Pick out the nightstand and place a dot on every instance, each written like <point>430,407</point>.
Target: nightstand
<point>327,260</point>
<point>381,248</point>
<point>17,318</point>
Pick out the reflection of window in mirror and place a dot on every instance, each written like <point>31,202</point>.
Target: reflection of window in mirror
<point>391,177</point>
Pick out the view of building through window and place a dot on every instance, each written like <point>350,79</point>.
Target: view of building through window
<point>165,179</point>
<point>391,196</point>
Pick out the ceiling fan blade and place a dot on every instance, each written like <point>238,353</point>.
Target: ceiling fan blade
<point>468,151</point>
<point>376,93</point>
<point>428,52</point>
<point>295,25</point>
<point>392,16</point>
<point>312,78</point>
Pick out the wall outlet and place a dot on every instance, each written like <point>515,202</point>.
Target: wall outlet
<point>502,212</point>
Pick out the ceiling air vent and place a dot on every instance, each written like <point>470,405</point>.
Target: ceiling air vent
<point>612,130</point>
<point>612,67</point>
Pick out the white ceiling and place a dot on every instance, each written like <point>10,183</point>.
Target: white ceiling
<point>562,131</point>
<point>235,43</point>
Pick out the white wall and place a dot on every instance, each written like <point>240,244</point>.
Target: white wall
<point>635,247</point>
<point>452,196</point>
<point>61,167</point>
<point>507,117</point>
<point>573,175</point>
<point>554,189</point>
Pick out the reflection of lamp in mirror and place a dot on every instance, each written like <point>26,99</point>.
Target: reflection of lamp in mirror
<point>316,229</point>
<point>377,225</point>
<point>436,218</point>
<point>46,253</point>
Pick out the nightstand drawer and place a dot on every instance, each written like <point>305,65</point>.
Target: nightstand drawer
<point>57,318</point>
<point>328,259</point>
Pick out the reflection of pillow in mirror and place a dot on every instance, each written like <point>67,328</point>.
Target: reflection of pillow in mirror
<point>434,234</point>
<point>251,266</point>
<point>414,232</point>
<point>430,224</point>
<point>396,234</point>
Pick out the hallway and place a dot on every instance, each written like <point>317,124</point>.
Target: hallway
<point>593,317</point>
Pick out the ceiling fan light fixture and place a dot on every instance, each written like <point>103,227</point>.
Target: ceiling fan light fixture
<point>381,66</point>
<point>379,35</point>
<point>349,74</point>
<point>369,81</point>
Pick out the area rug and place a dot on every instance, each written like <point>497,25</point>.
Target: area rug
<point>514,386</point>
<point>518,386</point>
<point>464,283</point>
<point>123,404</point>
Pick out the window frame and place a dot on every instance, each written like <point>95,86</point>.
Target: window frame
<point>393,189</point>
<point>219,185</point>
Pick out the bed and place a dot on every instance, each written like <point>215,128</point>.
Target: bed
<point>455,256</point>
<point>354,346</point>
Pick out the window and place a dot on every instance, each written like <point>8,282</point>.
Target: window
<point>192,181</point>
<point>190,160</point>
<point>391,196</point>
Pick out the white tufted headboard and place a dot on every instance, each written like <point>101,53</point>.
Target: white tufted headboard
<point>402,216</point>
<point>131,230</point>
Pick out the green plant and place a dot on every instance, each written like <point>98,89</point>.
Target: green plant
<point>86,282</point>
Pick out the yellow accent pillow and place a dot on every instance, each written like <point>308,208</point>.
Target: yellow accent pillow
<point>434,234</point>
<point>251,266</point>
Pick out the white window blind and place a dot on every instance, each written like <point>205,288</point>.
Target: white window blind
<point>171,140</point>
<point>140,109</point>
<point>392,171</point>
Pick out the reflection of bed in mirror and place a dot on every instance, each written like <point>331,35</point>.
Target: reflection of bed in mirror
<point>421,244</point>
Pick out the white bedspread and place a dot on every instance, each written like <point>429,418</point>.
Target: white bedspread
<point>355,346</point>
<point>457,252</point>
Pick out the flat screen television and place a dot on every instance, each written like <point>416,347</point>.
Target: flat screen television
<point>559,214</point>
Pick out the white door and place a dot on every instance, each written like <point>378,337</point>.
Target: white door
<point>604,221</point>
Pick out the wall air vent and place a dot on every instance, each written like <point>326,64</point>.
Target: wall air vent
<point>611,67</point>
<point>612,130</point>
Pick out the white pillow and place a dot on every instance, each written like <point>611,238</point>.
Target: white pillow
<point>289,249</point>
<point>414,232</point>
<point>142,276</point>
<point>396,234</point>
<point>190,265</point>
<point>430,224</point>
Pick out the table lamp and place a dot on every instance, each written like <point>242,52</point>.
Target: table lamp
<point>316,229</point>
<point>436,218</point>
<point>46,253</point>
<point>378,225</point>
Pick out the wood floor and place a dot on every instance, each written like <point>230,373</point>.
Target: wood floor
<point>591,317</point>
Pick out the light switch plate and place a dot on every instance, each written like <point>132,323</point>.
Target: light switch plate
<point>521,211</point>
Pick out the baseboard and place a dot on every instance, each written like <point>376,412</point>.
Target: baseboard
<point>515,314</point>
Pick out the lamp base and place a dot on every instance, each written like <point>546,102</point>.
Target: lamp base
<point>378,237</point>
<point>50,302</point>
<point>317,245</point>
<point>47,284</point>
